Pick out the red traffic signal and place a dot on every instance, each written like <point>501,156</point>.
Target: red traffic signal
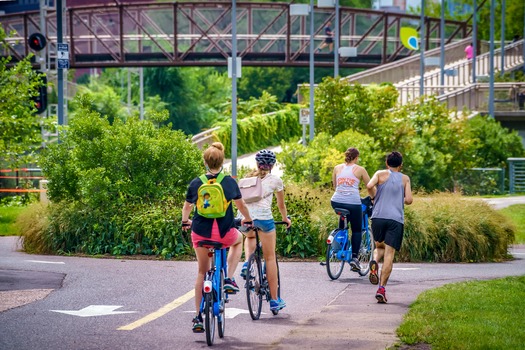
<point>37,41</point>
<point>40,100</point>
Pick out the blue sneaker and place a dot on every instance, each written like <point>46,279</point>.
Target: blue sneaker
<point>244,269</point>
<point>276,305</point>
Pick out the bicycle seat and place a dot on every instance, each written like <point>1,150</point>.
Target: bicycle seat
<point>210,244</point>
<point>341,211</point>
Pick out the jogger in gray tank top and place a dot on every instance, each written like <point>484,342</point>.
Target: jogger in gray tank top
<point>391,191</point>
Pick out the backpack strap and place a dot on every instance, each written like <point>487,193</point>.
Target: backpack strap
<point>203,178</point>
<point>220,177</point>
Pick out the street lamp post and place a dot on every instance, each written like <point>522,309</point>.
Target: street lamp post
<point>422,52</point>
<point>491,59</point>
<point>311,70</point>
<point>234,88</point>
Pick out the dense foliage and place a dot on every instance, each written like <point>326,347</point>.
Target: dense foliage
<point>438,145</point>
<point>20,132</point>
<point>259,131</point>
<point>116,188</point>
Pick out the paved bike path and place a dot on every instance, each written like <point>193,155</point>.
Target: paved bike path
<point>355,320</point>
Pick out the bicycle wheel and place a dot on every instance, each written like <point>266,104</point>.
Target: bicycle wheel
<point>334,266</point>
<point>221,318</point>
<point>210,319</point>
<point>275,312</point>
<point>366,252</point>
<point>253,286</point>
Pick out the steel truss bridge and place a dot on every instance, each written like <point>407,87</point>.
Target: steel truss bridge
<point>200,34</point>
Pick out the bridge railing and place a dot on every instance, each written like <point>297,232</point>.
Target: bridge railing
<point>200,33</point>
<point>508,97</point>
<point>460,73</point>
<point>399,71</point>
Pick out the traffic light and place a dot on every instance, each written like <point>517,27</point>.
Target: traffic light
<point>37,41</point>
<point>40,100</point>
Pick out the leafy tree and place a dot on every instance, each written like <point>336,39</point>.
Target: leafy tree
<point>99,163</point>
<point>19,125</point>
<point>256,80</point>
<point>341,106</point>
<point>493,144</point>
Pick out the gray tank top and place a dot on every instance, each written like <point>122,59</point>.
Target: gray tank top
<point>390,199</point>
<point>347,187</point>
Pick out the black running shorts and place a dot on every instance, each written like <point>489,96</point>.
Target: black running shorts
<point>388,231</point>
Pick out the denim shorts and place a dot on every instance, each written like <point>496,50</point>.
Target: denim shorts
<point>265,225</point>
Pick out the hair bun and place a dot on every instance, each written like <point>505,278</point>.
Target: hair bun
<point>218,145</point>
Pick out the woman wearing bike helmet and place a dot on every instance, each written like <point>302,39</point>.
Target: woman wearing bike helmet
<point>346,178</point>
<point>261,213</point>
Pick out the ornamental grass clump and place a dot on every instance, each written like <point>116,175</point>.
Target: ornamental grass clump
<point>451,228</point>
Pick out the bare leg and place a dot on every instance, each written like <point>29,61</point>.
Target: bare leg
<point>379,252</point>
<point>204,262</point>
<point>387,265</point>
<point>234,255</point>
<point>268,242</point>
<point>249,245</point>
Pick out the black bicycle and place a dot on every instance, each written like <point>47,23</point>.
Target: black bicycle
<point>257,287</point>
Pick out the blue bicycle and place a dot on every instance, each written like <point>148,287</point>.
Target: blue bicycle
<point>339,246</point>
<point>213,304</point>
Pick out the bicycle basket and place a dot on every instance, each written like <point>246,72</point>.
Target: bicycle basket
<point>338,241</point>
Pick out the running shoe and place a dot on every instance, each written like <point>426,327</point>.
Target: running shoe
<point>373,277</point>
<point>243,270</point>
<point>276,305</point>
<point>198,327</point>
<point>381,295</point>
<point>230,287</point>
<point>354,265</point>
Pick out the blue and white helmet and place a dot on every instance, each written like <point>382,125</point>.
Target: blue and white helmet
<point>265,158</point>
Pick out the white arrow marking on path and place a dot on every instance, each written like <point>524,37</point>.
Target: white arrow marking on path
<point>46,262</point>
<point>95,310</point>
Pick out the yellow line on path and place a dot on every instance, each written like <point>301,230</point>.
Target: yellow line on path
<point>159,313</point>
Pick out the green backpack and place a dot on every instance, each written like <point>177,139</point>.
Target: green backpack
<point>211,202</point>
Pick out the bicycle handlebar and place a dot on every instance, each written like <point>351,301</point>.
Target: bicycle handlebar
<point>238,225</point>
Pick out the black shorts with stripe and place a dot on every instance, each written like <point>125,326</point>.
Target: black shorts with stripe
<point>388,231</point>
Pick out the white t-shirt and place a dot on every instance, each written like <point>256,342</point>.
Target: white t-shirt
<point>262,210</point>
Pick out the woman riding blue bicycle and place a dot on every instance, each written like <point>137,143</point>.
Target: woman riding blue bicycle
<point>220,230</point>
<point>346,178</point>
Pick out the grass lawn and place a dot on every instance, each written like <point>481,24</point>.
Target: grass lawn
<point>8,217</point>
<point>517,214</point>
<point>470,315</point>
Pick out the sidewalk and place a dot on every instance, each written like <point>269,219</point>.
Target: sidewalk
<point>248,161</point>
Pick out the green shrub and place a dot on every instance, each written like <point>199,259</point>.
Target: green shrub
<point>314,164</point>
<point>119,188</point>
<point>260,131</point>
<point>451,228</point>
<point>33,224</point>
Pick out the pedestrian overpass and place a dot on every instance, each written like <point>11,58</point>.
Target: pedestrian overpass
<point>200,34</point>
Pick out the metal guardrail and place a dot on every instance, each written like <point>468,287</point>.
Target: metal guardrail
<point>475,97</point>
<point>460,73</point>
<point>516,175</point>
<point>406,68</point>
